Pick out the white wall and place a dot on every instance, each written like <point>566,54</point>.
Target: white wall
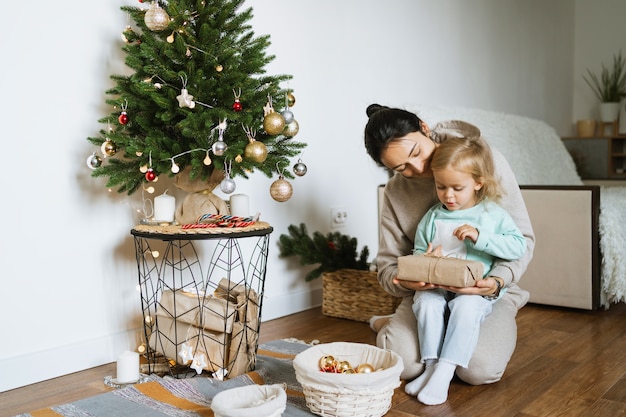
<point>68,269</point>
<point>600,34</point>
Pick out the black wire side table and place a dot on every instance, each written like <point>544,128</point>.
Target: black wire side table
<point>201,297</point>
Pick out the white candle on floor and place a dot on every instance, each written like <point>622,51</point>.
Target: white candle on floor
<point>164,208</point>
<point>239,205</point>
<point>128,367</point>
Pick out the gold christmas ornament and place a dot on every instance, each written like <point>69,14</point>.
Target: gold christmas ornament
<point>256,151</point>
<point>364,368</point>
<point>273,123</point>
<point>108,148</point>
<point>343,367</point>
<point>327,362</point>
<point>291,129</point>
<point>156,18</point>
<point>291,100</point>
<point>281,190</point>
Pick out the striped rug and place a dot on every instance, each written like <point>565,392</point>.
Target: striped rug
<point>190,397</point>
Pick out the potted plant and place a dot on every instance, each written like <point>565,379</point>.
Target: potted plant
<point>349,288</point>
<point>609,87</point>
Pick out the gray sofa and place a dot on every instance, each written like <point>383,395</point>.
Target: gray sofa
<point>580,229</point>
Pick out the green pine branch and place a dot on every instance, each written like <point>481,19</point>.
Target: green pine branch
<point>330,252</point>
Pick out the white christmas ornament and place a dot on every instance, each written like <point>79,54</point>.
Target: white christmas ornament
<point>199,363</point>
<point>186,353</point>
<point>185,99</point>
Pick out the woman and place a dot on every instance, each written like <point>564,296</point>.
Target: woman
<point>403,143</point>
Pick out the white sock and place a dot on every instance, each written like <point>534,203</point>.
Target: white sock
<point>415,386</point>
<point>436,389</point>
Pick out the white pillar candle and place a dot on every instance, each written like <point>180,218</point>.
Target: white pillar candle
<point>239,205</point>
<point>128,367</point>
<point>164,208</point>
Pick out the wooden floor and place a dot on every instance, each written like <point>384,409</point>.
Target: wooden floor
<point>567,363</point>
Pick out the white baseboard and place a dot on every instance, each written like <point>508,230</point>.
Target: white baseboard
<point>18,371</point>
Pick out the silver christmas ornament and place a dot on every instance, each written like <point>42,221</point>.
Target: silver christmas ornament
<point>93,161</point>
<point>299,168</point>
<point>219,147</point>
<point>228,185</point>
<point>287,115</point>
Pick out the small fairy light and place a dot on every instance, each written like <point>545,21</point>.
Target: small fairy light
<point>207,159</point>
<point>155,254</point>
<point>175,168</point>
<point>148,320</point>
<point>143,169</point>
<point>150,190</point>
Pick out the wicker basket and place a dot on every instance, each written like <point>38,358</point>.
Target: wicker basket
<point>342,395</point>
<point>356,295</point>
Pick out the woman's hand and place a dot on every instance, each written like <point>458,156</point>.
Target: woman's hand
<point>486,286</point>
<point>415,285</point>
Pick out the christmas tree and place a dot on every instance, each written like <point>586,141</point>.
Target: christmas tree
<point>198,99</point>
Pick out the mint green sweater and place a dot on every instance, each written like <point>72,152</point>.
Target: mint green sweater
<point>498,235</point>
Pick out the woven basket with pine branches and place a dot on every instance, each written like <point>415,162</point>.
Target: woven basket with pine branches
<point>349,289</point>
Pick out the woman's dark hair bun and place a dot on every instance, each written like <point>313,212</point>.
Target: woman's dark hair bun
<point>373,108</point>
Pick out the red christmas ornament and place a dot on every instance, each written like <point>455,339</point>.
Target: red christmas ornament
<point>123,119</point>
<point>237,106</point>
<point>150,175</point>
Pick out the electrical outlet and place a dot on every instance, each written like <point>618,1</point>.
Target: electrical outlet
<point>338,217</point>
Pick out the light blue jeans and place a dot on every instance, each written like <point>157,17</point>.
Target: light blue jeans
<point>448,324</point>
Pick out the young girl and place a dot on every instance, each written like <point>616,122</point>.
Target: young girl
<point>467,223</point>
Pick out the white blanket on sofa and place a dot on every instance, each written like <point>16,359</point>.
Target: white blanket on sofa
<point>538,157</point>
<point>613,244</point>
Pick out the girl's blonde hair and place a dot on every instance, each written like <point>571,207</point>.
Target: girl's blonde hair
<point>471,155</point>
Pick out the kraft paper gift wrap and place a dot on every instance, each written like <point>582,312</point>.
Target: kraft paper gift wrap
<point>448,271</point>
